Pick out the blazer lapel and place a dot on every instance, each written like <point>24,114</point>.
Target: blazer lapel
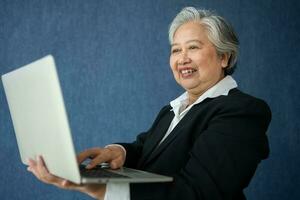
<point>158,133</point>
<point>172,136</point>
<point>176,131</point>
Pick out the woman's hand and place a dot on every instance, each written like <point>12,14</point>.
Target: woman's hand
<point>112,154</point>
<point>39,169</point>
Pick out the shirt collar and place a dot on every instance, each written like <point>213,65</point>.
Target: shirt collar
<point>221,88</point>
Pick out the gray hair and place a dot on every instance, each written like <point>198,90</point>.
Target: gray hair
<point>219,32</point>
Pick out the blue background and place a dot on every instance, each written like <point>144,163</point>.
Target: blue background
<point>113,62</point>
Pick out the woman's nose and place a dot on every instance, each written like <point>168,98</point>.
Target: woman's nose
<point>184,58</point>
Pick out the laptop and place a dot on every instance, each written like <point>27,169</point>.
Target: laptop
<point>41,126</point>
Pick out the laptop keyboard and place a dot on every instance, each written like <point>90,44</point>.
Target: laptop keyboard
<point>98,171</point>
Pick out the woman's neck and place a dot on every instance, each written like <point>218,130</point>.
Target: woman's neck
<point>196,93</point>
<point>193,97</point>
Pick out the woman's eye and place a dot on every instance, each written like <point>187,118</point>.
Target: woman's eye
<point>193,47</point>
<point>175,51</point>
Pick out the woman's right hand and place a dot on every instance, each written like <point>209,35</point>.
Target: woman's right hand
<point>114,155</point>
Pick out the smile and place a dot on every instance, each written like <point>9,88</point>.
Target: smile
<point>187,72</point>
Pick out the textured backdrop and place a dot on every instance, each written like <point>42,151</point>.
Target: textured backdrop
<point>112,59</point>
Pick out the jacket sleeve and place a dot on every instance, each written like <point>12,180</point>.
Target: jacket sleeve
<point>222,160</point>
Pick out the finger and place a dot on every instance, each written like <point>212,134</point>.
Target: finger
<point>105,156</point>
<point>44,175</point>
<point>89,153</point>
<point>32,167</point>
<point>41,165</point>
<point>118,157</point>
<point>114,165</point>
<point>69,185</point>
<point>117,163</point>
<point>41,170</point>
<point>31,164</point>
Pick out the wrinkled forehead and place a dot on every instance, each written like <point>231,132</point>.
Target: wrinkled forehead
<point>189,32</point>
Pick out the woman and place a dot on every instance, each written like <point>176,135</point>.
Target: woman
<point>210,139</point>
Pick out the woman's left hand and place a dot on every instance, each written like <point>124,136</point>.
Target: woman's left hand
<point>39,169</point>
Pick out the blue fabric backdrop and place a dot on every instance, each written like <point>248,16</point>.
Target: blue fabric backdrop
<point>112,58</point>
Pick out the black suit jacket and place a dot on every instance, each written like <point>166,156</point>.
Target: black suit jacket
<point>212,153</point>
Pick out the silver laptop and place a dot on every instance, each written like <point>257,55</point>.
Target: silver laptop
<point>41,126</point>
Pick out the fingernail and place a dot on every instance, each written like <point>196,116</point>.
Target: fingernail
<point>29,169</point>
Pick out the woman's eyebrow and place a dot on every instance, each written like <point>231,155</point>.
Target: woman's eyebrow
<point>189,41</point>
<point>198,41</point>
<point>174,44</point>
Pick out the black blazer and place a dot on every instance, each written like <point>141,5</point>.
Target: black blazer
<point>212,153</point>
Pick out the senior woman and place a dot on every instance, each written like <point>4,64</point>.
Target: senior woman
<point>210,139</point>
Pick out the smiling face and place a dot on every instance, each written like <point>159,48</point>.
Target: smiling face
<point>194,61</point>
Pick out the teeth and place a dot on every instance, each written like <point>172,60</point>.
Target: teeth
<point>187,71</point>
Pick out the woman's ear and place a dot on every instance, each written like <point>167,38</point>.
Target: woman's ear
<point>225,60</point>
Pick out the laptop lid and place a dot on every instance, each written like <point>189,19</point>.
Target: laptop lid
<point>39,117</point>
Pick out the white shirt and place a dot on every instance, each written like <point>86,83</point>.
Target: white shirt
<point>121,191</point>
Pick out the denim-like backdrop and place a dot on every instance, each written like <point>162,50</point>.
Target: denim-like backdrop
<point>112,58</point>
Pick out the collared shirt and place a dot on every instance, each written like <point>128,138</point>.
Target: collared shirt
<point>180,107</point>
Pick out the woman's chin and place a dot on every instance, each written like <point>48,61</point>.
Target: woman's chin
<point>189,87</point>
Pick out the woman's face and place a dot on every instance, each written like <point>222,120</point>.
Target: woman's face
<point>194,60</point>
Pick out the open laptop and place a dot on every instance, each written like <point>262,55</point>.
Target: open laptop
<point>41,126</point>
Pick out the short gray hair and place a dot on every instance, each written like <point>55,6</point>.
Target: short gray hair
<point>219,32</point>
